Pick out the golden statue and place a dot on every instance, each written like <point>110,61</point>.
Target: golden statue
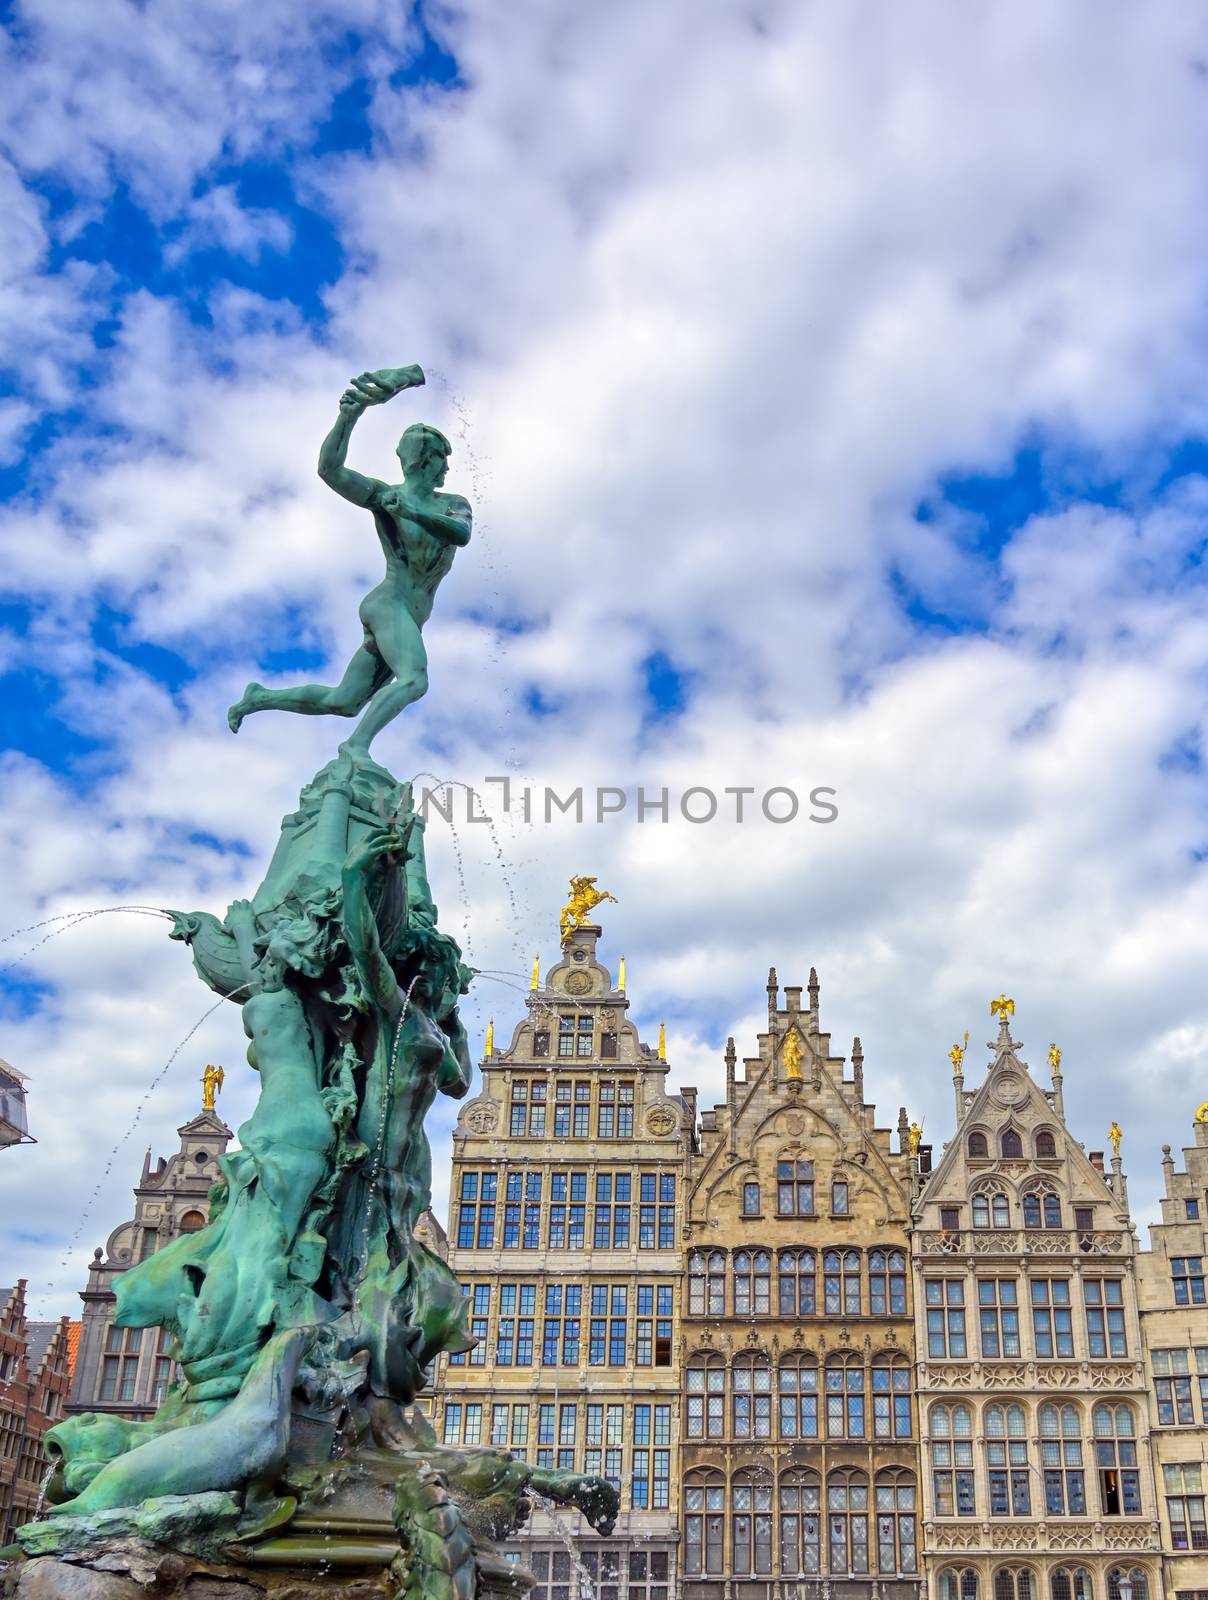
<point>916,1136</point>
<point>1115,1133</point>
<point>957,1054</point>
<point>211,1082</point>
<point>791,1056</point>
<point>1202,1114</point>
<point>1002,1007</point>
<point>584,896</point>
<point>1054,1058</point>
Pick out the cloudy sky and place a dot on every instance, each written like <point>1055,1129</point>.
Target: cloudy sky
<point>828,381</point>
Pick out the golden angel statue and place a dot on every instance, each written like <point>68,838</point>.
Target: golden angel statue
<point>791,1056</point>
<point>584,897</point>
<point>212,1080</point>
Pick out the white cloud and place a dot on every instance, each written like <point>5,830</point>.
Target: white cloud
<point>721,295</point>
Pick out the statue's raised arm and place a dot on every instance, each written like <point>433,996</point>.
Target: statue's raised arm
<point>420,530</point>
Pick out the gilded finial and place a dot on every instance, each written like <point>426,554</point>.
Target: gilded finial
<point>489,1048</point>
<point>662,1041</point>
<point>957,1054</point>
<point>1002,1008</point>
<point>535,980</point>
<point>916,1136</point>
<point>791,1056</point>
<point>211,1082</point>
<point>621,976</point>
<point>1054,1058</point>
<point>1115,1133</point>
<point>584,897</point>
<point>1202,1113</point>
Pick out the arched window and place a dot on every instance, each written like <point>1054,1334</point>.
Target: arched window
<point>1014,1583</point>
<point>991,1209</point>
<point>1116,1458</point>
<point>751,1379</point>
<point>891,1397</point>
<point>800,1524</point>
<point>847,1521</point>
<point>797,1270</point>
<point>1137,1576</point>
<point>952,1460</point>
<point>977,1145</point>
<point>1071,1583</point>
<point>897,1529</point>
<point>1046,1145</point>
<point>1007,1461</point>
<point>706,1397</point>
<point>696,1283</point>
<point>798,1399</point>
<point>1061,1460</point>
<point>844,1381</point>
<point>704,1523</point>
<point>1010,1143</point>
<point>751,1524</point>
<point>1041,1207</point>
<point>192,1222</point>
<point>841,1281</point>
<point>752,1283</point>
<point>958,1583</point>
<point>887,1283</point>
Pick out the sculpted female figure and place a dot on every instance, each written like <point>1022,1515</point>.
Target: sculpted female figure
<point>420,530</point>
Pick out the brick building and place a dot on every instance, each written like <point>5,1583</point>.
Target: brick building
<point>35,1375</point>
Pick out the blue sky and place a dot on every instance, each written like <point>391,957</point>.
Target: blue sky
<point>828,387</point>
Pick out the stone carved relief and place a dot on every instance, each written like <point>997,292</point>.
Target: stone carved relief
<point>1113,1377</point>
<point>995,1244</point>
<point>660,1121</point>
<point>1018,1536</point>
<point>1067,1538</point>
<point>956,1539</point>
<point>1047,1244</point>
<point>482,1116</point>
<point>1054,1375</point>
<point>578,983</point>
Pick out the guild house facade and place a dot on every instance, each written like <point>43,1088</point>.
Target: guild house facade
<point>1032,1395</point>
<point>800,1435</point>
<point>566,1212</point>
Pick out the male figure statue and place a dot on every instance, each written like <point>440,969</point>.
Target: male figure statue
<point>420,531</point>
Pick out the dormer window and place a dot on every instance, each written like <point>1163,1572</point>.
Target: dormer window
<point>978,1146</point>
<point>1011,1144</point>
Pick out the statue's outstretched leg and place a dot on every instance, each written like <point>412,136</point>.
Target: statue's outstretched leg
<point>365,673</point>
<point>402,648</point>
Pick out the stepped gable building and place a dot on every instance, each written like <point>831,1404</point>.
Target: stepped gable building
<point>128,1370</point>
<point>565,1232</point>
<point>1037,1479</point>
<point>799,1446</point>
<point>1174,1321</point>
<point>35,1374</point>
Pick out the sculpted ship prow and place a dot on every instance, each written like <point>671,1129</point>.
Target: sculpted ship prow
<point>305,1314</point>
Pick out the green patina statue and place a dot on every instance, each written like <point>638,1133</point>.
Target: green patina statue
<point>305,1315</point>
<point>420,531</point>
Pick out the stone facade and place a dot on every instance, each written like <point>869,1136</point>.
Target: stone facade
<point>565,1218</point>
<point>1037,1481</point>
<point>35,1374</point>
<point>800,1463</point>
<point>1174,1323</point>
<point>127,1370</point>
